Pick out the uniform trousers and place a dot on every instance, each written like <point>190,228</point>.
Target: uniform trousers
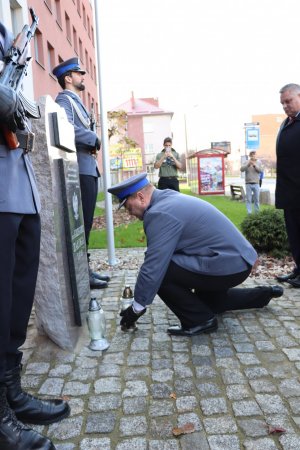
<point>19,261</point>
<point>196,298</point>
<point>89,191</point>
<point>168,183</point>
<point>292,223</point>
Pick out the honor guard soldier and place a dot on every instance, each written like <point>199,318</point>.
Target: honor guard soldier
<point>71,78</point>
<point>19,260</point>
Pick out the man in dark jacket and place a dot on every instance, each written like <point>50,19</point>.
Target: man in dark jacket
<point>19,260</point>
<point>287,194</point>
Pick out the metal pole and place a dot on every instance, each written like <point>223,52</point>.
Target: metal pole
<point>104,145</point>
<point>186,151</point>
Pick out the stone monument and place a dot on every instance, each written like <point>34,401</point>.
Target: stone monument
<point>62,293</point>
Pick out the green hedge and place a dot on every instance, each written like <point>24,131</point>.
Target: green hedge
<point>266,232</point>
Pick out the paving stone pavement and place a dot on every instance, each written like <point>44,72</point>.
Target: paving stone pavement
<point>235,385</point>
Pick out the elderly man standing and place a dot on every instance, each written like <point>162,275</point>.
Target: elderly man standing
<point>195,257</point>
<point>252,169</point>
<point>287,194</point>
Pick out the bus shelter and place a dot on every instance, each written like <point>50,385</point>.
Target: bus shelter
<point>206,172</point>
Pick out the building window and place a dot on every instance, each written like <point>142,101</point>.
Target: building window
<point>88,27</point>
<point>58,12</point>
<point>75,44</point>
<point>68,27</point>
<point>84,16</point>
<point>95,74</point>
<point>91,68</point>
<point>89,100</point>
<point>84,97</point>
<point>78,7</point>
<point>38,47</point>
<point>51,57</point>
<point>149,148</point>
<point>48,4</point>
<point>87,61</point>
<point>80,50</point>
<point>92,36</point>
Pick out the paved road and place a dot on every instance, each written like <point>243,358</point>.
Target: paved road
<point>268,183</point>
<point>232,385</point>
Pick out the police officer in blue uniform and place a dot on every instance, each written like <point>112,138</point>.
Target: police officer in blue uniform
<point>19,261</point>
<point>195,257</point>
<point>71,78</point>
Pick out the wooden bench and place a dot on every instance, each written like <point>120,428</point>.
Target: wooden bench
<point>237,192</point>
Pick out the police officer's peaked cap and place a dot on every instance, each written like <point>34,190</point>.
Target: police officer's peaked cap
<point>70,65</point>
<point>128,187</point>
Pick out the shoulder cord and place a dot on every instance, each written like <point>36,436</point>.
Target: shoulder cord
<point>85,122</point>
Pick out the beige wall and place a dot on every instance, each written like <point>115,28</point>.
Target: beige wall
<point>269,125</point>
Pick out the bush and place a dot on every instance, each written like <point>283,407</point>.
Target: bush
<point>266,231</point>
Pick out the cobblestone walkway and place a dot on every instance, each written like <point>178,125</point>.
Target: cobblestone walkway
<point>235,386</point>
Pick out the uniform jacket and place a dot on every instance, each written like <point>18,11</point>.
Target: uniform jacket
<point>287,193</point>
<point>18,190</point>
<point>84,137</point>
<point>193,234</point>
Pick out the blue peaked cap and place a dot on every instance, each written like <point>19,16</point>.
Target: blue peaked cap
<point>128,187</point>
<point>70,65</point>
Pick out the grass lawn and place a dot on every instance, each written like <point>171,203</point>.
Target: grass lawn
<point>132,235</point>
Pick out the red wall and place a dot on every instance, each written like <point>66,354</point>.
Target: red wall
<point>53,27</point>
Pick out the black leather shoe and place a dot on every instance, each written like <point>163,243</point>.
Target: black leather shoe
<point>295,282</point>
<point>276,291</point>
<point>14,435</point>
<point>31,409</point>
<point>97,284</point>
<point>289,276</point>
<point>99,276</point>
<point>205,327</point>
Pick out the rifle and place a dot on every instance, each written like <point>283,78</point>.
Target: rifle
<point>16,62</point>
<point>93,123</point>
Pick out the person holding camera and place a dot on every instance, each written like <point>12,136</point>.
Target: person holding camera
<point>252,169</point>
<point>167,161</point>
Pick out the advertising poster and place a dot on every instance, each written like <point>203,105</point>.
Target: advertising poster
<point>125,158</point>
<point>211,170</point>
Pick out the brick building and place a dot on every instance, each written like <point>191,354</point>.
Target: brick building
<point>65,29</point>
<point>269,125</point>
<point>147,124</point>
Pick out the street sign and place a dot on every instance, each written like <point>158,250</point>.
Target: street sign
<point>252,140</point>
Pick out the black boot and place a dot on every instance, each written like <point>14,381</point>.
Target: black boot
<point>96,283</point>
<point>30,409</point>
<point>16,436</point>
<point>94,276</point>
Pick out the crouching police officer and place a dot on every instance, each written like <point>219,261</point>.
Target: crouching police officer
<point>195,258</point>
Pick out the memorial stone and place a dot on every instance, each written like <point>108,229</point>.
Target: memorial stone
<point>62,293</point>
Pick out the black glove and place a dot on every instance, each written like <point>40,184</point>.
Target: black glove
<point>18,119</point>
<point>98,143</point>
<point>129,316</point>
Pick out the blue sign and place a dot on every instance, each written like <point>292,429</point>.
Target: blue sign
<point>252,138</point>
